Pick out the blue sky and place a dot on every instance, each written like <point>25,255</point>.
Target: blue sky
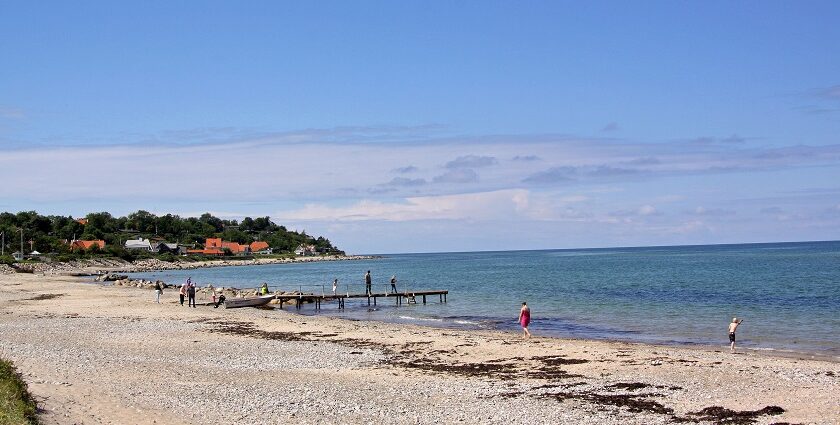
<point>431,126</point>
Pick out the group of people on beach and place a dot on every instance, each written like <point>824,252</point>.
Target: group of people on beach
<point>187,291</point>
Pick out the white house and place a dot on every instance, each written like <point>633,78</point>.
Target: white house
<point>305,250</point>
<point>141,243</point>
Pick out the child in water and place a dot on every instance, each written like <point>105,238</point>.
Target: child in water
<point>732,327</point>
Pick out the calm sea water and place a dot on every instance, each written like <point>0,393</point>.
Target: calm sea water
<point>788,293</point>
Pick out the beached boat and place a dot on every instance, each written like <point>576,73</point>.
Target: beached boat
<point>248,302</point>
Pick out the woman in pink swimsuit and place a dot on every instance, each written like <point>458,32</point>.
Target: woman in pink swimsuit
<point>525,319</point>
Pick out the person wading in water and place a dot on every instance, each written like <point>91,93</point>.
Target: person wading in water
<point>525,319</point>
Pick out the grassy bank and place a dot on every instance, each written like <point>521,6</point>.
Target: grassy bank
<point>16,405</point>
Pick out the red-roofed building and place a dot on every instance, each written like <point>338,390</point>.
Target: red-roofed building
<point>85,245</point>
<point>82,221</point>
<point>260,247</point>
<point>206,251</point>
<point>216,246</point>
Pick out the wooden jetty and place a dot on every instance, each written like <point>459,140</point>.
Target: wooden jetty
<point>399,297</point>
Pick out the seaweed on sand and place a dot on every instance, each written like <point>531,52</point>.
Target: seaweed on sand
<point>632,402</point>
<point>485,370</point>
<point>721,415</point>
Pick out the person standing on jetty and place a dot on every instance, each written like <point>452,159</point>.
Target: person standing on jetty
<point>158,292</point>
<point>368,283</point>
<point>335,285</point>
<point>732,327</point>
<point>191,295</point>
<point>394,284</point>
<point>525,318</point>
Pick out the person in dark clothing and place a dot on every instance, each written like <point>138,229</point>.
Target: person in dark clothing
<point>368,283</point>
<point>219,300</point>
<point>394,284</point>
<point>191,296</point>
<point>158,292</point>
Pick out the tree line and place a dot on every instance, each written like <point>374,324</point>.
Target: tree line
<point>51,233</point>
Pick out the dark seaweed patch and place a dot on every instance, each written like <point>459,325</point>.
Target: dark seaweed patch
<point>630,386</point>
<point>558,360</point>
<point>632,402</point>
<point>44,297</point>
<point>723,415</point>
<point>549,373</point>
<point>247,329</point>
<point>484,370</point>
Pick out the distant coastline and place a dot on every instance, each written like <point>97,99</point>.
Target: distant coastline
<point>100,266</point>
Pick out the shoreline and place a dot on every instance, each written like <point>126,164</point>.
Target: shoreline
<point>723,348</point>
<point>100,266</point>
<point>94,353</point>
<point>154,265</point>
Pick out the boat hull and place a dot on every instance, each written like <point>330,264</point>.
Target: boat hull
<point>248,302</point>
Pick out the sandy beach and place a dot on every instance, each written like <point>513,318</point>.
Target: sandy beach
<point>102,354</point>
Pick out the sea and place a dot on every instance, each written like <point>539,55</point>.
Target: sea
<point>787,293</point>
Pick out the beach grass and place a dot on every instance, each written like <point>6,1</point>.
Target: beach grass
<point>16,404</point>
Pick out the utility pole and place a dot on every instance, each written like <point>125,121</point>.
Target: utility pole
<point>3,251</point>
<point>21,242</point>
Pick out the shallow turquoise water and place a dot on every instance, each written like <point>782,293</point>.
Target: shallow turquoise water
<point>788,293</point>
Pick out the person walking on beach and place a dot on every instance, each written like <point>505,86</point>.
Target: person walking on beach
<point>335,285</point>
<point>368,283</point>
<point>732,327</point>
<point>158,292</point>
<point>394,284</point>
<point>525,318</point>
<point>183,292</point>
<point>191,295</point>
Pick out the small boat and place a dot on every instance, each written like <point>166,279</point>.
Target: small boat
<point>248,302</point>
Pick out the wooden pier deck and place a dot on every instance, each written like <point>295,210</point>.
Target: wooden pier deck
<point>398,297</point>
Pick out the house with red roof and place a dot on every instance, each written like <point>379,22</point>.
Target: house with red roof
<point>260,247</point>
<point>86,245</point>
<point>217,246</point>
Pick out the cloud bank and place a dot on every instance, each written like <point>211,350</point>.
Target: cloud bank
<point>340,177</point>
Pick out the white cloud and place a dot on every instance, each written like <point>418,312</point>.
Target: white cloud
<point>647,210</point>
<point>472,206</point>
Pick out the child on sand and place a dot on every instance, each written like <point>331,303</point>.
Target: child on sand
<point>525,318</point>
<point>732,327</point>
